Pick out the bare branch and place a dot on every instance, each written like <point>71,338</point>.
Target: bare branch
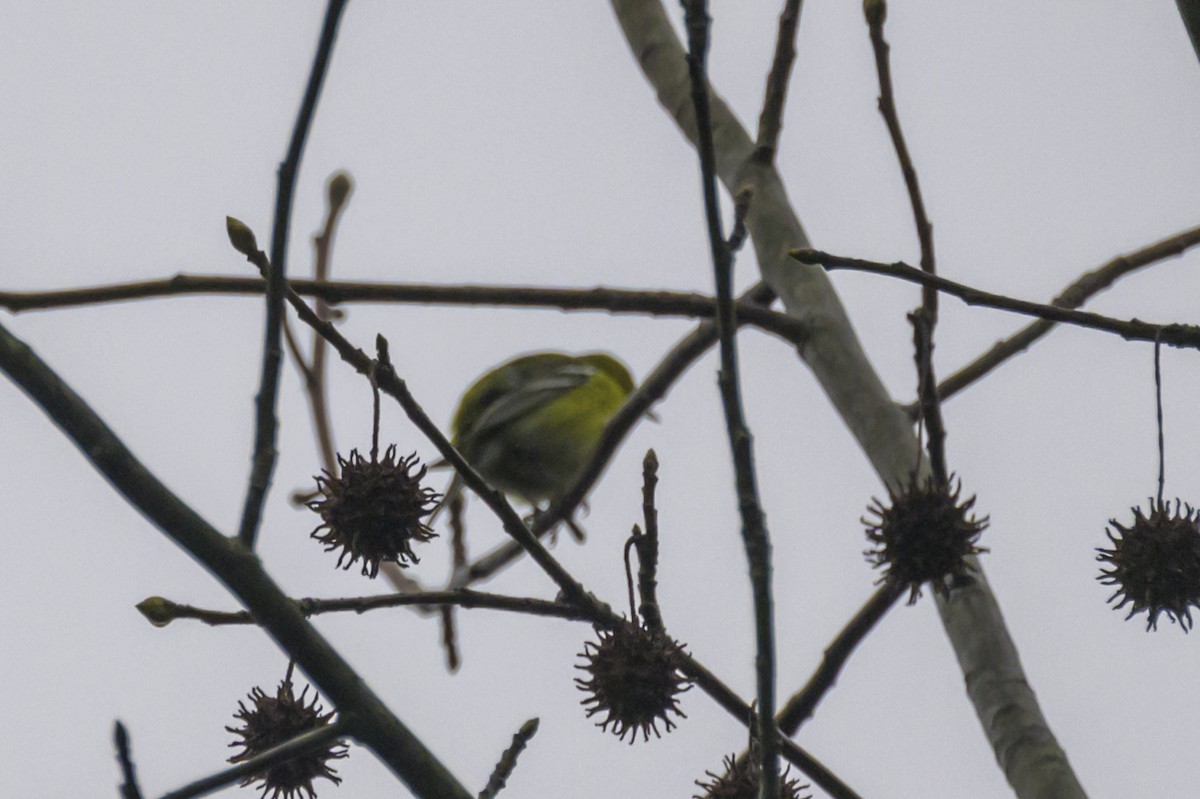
<point>237,567</point>
<point>1176,335</point>
<point>263,460</point>
<point>1073,296</point>
<point>313,739</point>
<point>924,320</point>
<point>755,537</point>
<point>800,707</point>
<point>508,760</point>
<point>770,121</point>
<point>129,784</point>
<point>162,612</point>
<point>617,301</point>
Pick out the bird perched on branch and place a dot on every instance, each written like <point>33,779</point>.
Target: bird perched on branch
<point>530,424</point>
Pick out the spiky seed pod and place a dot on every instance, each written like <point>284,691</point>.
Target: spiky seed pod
<point>1155,563</point>
<point>741,779</point>
<point>634,678</point>
<point>373,511</point>
<point>924,536</point>
<point>273,720</point>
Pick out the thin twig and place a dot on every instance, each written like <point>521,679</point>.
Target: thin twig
<point>876,13</point>
<point>293,346</point>
<point>1175,335</point>
<point>630,543</point>
<point>924,320</point>
<point>799,708</point>
<point>1073,296</point>
<point>266,425</point>
<point>647,548</point>
<point>770,121</point>
<point>450,638</point>
<point>305,742</point>
<point>754,528</point>
<point>337,193</point>
<point>741,208</point>
<point>165,611</point>
<point>674,304</point>
<point>508,760</point>
<point>931,411</point>
<point>1158,409</point>
<point>458,561</point>
<point>129,784</point>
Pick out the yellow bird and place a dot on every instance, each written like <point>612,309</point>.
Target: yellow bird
<point>530,424</point>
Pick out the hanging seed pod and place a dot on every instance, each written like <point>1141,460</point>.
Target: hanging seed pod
<point>1155,563</point>
<point>741,780</point>
<point>924,535</point>
<point>633,677</point>
<point>374,510</point>
<point>273,720</point>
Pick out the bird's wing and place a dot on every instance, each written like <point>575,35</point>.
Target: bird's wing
<point>529,396</point>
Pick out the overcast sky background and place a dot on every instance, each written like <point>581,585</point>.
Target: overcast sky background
<point>518,143</point>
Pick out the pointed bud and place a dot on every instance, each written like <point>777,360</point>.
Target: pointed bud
<point>158,611</point>
<point>241,237</point>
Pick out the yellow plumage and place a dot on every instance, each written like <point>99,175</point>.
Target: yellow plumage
<point>530,424</point>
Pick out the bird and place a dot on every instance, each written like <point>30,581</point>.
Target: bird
<point>529,425</point>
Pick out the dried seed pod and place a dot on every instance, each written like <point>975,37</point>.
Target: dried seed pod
<point>273,720</point>
<point>741,780</point>
<point>374,510</point>
<point>634,678</point>
<point>925,535</point>
<point>1155,563</point>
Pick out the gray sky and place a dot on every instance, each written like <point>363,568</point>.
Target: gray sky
<point>518,143</point>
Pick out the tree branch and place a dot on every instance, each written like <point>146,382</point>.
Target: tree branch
<point>313,739</point>
<point>1189,10</point>
<point>238,569</point>
<point>508,760</point>
<point>161,612</point>
<point>924,320</point>
<point>800,707</point>
<point>1177,335</point>
<point>755,537</point>
<point>1073,296</point>
<point>1030,756</point>
<point>612,300</point>
<point>129,785</point>
<point>337,192</point>
<point>770,121</point>
<point>266,426</point>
